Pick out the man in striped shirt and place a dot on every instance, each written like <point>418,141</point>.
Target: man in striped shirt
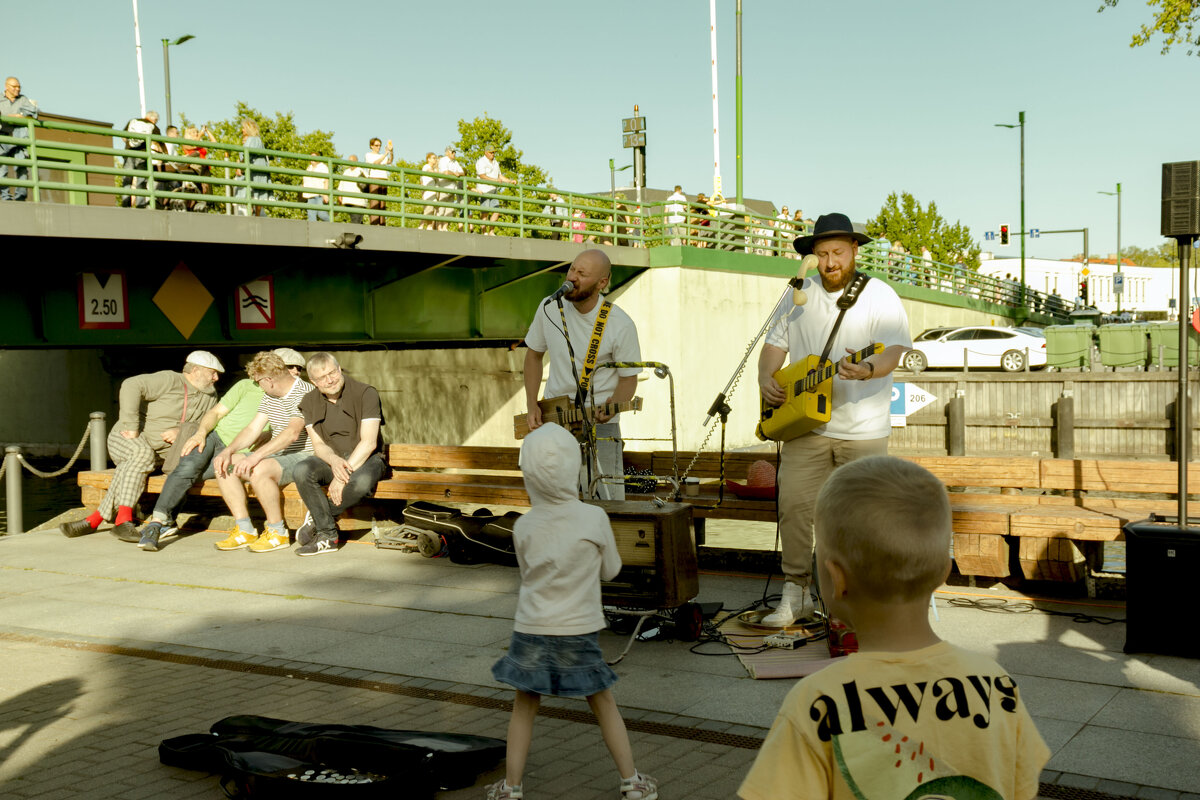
<point>269,467</point>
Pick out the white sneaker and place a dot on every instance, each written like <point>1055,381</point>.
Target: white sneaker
<point>795,603</point>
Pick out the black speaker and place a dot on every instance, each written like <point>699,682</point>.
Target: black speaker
<point>1161,563</point>
<point>1181,198</point>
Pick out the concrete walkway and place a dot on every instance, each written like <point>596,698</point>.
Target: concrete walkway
<point>105,650</point>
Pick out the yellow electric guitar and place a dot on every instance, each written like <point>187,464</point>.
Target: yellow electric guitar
<point>809,404</point>
<point>563,411</point>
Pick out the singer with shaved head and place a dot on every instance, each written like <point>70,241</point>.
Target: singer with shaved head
<point>574,370</point>
<point>860,421</point>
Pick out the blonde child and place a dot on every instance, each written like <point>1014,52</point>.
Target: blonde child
<point>908,710</point>
<point>563,547</point>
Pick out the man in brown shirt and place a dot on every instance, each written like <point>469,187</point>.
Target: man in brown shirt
<point>343,417</point>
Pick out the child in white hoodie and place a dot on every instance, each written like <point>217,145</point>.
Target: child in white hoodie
<point>564,547</point>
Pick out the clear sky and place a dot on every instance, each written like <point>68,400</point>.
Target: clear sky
<point>844,101</point>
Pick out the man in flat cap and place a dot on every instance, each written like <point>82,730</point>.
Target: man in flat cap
<point>153,407</point>
<point>860,422</point>
<point>215,431</point>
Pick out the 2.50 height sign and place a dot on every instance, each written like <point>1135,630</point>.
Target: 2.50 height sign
<point>103,300</point>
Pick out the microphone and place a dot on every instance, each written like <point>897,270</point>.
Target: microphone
<point>799,297</point>
<point>566,287</point>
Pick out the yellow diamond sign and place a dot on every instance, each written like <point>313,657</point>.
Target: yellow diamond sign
<point>183,299</point>
<point>1085,271</point>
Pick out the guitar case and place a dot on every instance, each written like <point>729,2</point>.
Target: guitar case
<point>266,757</point>
<point>482,537</point>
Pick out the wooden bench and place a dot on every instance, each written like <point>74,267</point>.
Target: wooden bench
<point>1055,512</point>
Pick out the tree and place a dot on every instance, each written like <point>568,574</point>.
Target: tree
<point>279,133</point>
<point>474,137</point>
<point>902,219</point>
<point>1174,19</point>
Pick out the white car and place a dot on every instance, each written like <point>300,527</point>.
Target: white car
<point>977,347</point>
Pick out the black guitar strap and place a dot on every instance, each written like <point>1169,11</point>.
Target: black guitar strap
<point>849,298</point>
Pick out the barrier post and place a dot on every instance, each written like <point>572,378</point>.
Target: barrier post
<point>99,449</point>
<point>12,469</point>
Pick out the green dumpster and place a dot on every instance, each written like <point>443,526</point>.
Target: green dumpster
<point>1068,346</point>
<point>1125,345</point>
<point>1164,345</point>
<point>1085,316</point>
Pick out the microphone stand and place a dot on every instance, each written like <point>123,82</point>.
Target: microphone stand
<point>720,406</point>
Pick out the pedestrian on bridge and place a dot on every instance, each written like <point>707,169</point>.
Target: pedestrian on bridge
<point>14,104</point>
<point>375,156</point>
<point>315,188</point>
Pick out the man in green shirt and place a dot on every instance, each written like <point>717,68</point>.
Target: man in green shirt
<point>216,430</point>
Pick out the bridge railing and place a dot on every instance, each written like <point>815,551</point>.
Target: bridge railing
<point>227,179</point>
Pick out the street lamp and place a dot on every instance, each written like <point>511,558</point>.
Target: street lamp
<point>1118,194</point>
<point>613,169</point>
<point>1021,124</point>
<point>167,69</point>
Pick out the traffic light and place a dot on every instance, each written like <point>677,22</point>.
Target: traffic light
<point>1083,289</point>
<point>1003,235</point>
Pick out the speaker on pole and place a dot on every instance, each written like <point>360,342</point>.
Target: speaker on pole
<point>1181,199</point>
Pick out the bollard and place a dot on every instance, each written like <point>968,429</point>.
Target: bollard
<point>12,465</point>
<point>1066,425</point>
<point>99,451</point>
<point>956,429</point>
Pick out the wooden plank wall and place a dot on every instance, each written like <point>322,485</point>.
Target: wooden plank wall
<point>1117,414</point>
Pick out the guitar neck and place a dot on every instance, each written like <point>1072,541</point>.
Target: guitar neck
<point>824,373</point>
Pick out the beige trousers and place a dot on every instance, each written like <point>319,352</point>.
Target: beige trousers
<point>805,463</point>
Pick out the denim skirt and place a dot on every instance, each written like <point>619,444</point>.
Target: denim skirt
<point>562,666</point>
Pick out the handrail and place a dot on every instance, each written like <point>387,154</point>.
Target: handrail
<point>227,180</point>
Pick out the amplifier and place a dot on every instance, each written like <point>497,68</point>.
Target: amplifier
<point>658,555</point>
<point>1161,562</point>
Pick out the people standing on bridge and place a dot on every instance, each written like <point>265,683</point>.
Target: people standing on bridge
<point>448,165</point>
<point>861,396</point>
<point>216,429</point>
<point>316,189</point>
<point>488,168</point>
<point>375,156</point>
<point>15,104</point>
<point>135,165</point>
<point>153,407</point>
<point>348,186</point>
<point>675,209</point>
<point>252,140</point>
<point>589,320</point>
<point>344,419</point>
<point>429,172</point>
<point>270,466</point>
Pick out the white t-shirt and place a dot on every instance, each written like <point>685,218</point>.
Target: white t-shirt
<point>349,183</point>
<point>449,166</point>
<point>487,168</point>
<point>860,408</point>
<point>376,158</point>
<point>675,208</point>
<point>313,182</point>
<point>619,343</point>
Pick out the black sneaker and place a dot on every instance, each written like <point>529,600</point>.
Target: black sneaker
<point>304,534</point>
<point>126,532</point>
<point>319,545</point>
<point>149,536</point>
<point>77,528</point>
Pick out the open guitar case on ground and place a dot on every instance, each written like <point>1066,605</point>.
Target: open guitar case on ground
<point>264,757</point>
<point>439,531</point>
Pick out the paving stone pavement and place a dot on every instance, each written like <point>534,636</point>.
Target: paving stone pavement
<point>105,650</point>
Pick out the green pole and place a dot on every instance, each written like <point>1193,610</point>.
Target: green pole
<point>1119,245</point>
<point>1021,123</point>
<point>739,105</point>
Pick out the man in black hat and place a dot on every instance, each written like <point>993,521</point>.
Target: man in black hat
<point>861,397</point>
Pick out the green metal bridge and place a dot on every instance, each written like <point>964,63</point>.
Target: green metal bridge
<point>198,266</point>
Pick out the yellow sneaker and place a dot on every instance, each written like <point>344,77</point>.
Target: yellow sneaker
<point>237,539</point>
<point>270,541</point>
